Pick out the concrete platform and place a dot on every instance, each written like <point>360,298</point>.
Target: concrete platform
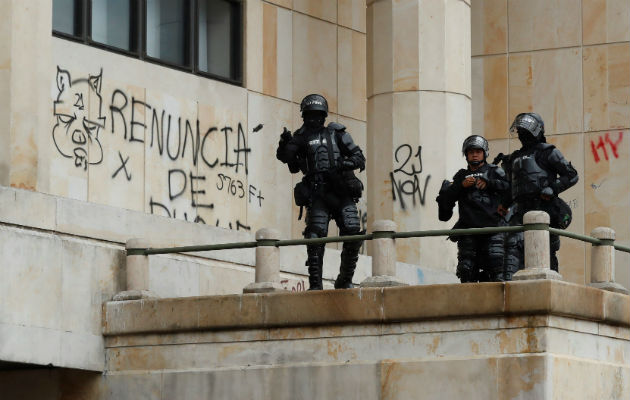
<point>525,340</point>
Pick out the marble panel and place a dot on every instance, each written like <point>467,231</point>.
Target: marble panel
<point>380,129</point>
<point>29,344</point>
<point>549,83</point>
<point>405,379</point>
<point>380,55</point>
<point>606,87</point>
<point>572,254</point>
<point>270,177</point>
<point>490,97</point>
<point>173,144</point>
<point>606,194</point>
<point>5,118</point>
<point>351,14</point>
<point>589,379</point>
<point>543,24</point>
<point>82,351</point>
<point>277,51</point>
<point>408,51</point>
<point>118,180</point>
<point>351,73</point>
<point>457,54</point>
<point>69,148</point>
<point>224,164</point>
<point>32,270</point>
<point>314,59</point>
<point>222,278</point>
<point>322,9</point>
<point>27,208</point>
<point>254,44</point>
<point>171,276</point>
<point>605,21</point>
<point>489,27</point>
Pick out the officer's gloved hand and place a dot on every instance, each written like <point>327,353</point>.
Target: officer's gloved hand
<point>546,193</point>
<point>345,164</point>
<point>285,137</point>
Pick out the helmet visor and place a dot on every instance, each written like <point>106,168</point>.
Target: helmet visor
<point>525,122</point>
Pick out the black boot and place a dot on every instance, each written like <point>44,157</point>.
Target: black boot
<point>349,258</point>
<point>315,262</point>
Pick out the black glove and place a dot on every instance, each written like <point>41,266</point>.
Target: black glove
<point>285,137</point>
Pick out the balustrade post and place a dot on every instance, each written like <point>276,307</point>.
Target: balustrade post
<point>603,261</point>
<point>383,256</point>
<point>537,256</point>
<point>267,263</point>
<point>137,272</point>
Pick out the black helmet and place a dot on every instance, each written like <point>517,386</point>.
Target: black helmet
<point>475,142</point>
<point>314,102</point>
<point>530,122</point>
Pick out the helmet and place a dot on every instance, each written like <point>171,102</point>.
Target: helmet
<point>530,122</point>
<point>314,102</point>
<point>475,142</point>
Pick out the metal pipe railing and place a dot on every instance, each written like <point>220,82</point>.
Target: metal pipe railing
<point>370,236</point>
<point>536,253</point>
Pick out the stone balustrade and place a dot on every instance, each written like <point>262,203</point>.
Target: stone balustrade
<point>267,277</point>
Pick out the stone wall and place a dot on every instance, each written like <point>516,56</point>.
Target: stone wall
<point>567,60</point>
<point>123,132</point>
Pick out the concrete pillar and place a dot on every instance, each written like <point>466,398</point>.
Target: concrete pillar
<point>137,272</point>
<point>418,73</point>
<point>603,261</point>
<point>26,72</point>
<point>537,256</point>
<point>383,256</point>
<point>267,263</point>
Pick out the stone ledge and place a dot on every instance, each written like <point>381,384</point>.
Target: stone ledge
<point>366,305</point>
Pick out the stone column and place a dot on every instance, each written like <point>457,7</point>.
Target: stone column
<point>267,263</point>
<point>603,261</point>
<point>537,257</point>
<point>26,72</point>
<point>419,105</point>
<point>383,256</point>
<point>137,271</point>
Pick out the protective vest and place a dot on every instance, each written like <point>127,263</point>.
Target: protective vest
<point>322,151</point>
<point>528,178</point>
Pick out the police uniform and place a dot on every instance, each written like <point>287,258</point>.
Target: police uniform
<point>479,257</point>
<point>538,173</point>
<point>326,155</point>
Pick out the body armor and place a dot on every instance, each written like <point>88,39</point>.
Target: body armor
<point>322,151</point>
<point>528,178</point>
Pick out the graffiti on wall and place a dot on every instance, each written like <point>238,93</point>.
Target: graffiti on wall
<point>409,185</point>
<point>601,146</point>
<point>76,133</point>
<point>196,163</point>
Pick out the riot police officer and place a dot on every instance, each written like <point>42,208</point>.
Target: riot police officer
<point>327,156</point>
<point>538,172</point>
<point>478,190</point>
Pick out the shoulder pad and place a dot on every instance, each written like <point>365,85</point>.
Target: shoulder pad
<point>497,170</point>
<point>546,146</point>
<point>336,126</point>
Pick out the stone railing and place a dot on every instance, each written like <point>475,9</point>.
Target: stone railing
<point>536,255</point>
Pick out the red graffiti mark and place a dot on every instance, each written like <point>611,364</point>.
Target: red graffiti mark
<point>601,144</point>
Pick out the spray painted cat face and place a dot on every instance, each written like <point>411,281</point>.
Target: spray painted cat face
<point>78,118</point>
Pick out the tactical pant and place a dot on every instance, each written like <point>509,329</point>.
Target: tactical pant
<point>326,205</point>
<point>480,258</point>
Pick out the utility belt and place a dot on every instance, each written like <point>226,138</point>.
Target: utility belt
<point>345,183</point>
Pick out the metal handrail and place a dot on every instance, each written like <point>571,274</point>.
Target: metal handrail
<point>376,235</point>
